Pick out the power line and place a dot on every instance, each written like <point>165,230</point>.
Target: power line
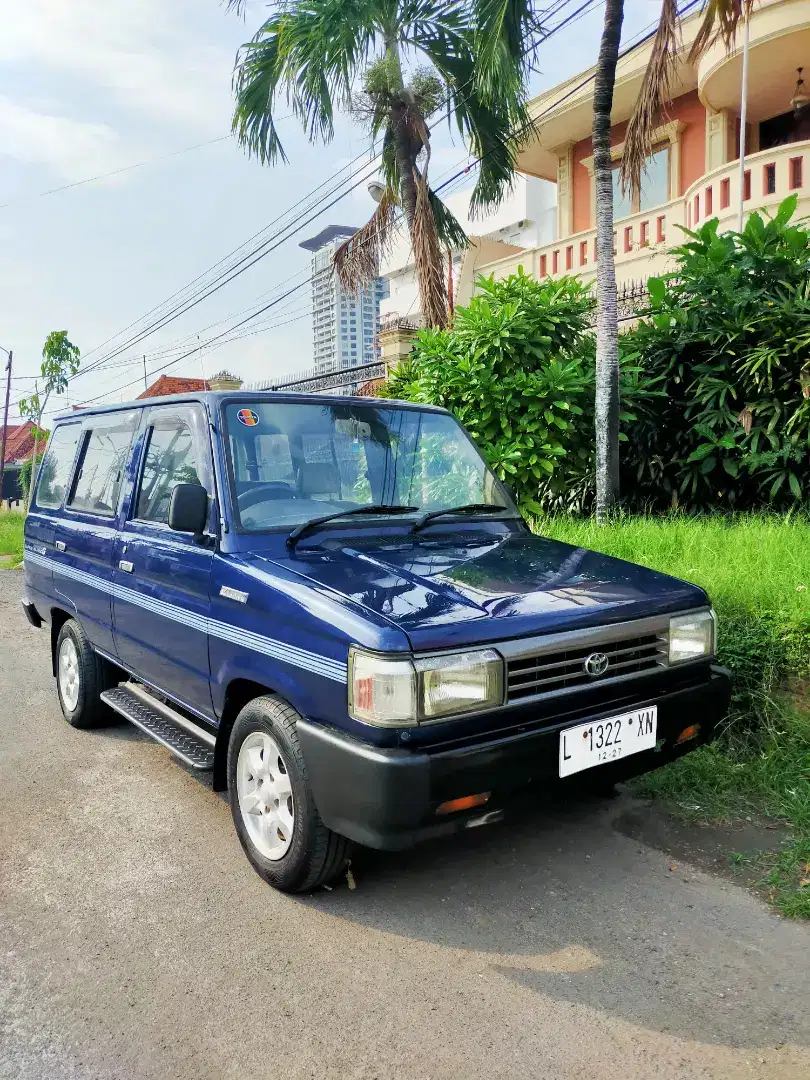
<point>270,245</point>
<point>266,247</point>
<point>125,168</point>
<point>115,172</point>
<point>461,173</point>
<point>204,344</point>
<point>220,262</point>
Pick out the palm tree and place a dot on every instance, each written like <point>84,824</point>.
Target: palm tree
<point>326,55</point>
<point>721,19</point>
<point>607,324</point>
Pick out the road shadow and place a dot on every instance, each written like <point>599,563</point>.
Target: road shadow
<point>559,901</point>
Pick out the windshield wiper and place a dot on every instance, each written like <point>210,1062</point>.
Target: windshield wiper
<point>470,508</point>
<point>381,508</point>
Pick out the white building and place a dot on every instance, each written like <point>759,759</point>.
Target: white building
<point>344,325</point>
<point>526,218</point>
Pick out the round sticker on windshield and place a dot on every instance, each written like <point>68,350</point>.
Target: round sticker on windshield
<point>247,417</point>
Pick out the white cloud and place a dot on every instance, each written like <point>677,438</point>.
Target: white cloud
<point>148,55</point>
<point>71,148</point>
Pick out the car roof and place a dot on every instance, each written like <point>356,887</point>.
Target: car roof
<point>212,398</point>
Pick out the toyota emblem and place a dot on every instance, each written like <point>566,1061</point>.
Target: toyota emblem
<point>596,664</point>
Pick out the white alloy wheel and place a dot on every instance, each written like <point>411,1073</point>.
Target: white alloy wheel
<point>68,673</point>
<point>265,795</point>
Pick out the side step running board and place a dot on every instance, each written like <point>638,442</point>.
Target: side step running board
<point>192,744</point>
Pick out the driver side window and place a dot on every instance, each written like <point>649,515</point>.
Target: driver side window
<point>174,455</point>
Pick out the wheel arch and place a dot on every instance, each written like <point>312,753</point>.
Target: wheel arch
<point>59,616</point>
<point>238,694</point>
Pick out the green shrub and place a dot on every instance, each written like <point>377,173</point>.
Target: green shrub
<point>727,338</point>
<point>517,369</point>
<point>12,524</point>
<point>756,571</point>
<point>755,568</point>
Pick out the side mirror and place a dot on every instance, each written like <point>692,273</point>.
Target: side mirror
<point>188,509</point>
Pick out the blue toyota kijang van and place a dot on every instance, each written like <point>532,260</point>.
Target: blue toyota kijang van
<point>334,605</point>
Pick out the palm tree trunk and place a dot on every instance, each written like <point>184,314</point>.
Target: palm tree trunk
<point>402,139</point>
<point>414,194</point>
<point>607,326</point>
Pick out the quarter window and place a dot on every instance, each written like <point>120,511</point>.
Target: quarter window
<point>103,462</point>
<point>56,465</point>
<point>173,456</point>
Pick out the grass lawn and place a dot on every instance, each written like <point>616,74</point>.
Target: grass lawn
<point>756,570</point>
<point>11,536</point>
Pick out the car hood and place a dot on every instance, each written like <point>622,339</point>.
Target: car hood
<point>477,587</point>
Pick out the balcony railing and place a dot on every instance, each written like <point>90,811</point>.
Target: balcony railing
<point>642,241</point>
<point>769,177</point>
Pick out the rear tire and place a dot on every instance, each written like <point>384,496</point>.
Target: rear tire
<point>273,809</point>
<point>81,676</point>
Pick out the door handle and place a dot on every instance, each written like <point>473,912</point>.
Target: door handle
<point>60,545</point>
<point>127,567</point>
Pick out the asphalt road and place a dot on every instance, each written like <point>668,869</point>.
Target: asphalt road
<point>136,941</point>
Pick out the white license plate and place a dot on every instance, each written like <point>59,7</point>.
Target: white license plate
<point>602,741</point>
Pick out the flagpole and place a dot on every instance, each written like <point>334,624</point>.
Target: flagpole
<point>743,114</point>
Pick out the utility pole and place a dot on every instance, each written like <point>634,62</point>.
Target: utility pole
<point>10,354</point>
<point>145,383</point>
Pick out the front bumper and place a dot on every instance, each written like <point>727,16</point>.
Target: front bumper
<point>387,798</point>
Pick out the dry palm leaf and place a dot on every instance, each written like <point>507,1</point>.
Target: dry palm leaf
<point>427,256</point>
<point>655,90</point>
<point>357,261</point>
<point>720,20</point>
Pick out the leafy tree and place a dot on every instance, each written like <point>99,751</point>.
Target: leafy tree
<point>727,337</point>
<point>517,369</point>
<point>60,361</point>
<point>324,55</point>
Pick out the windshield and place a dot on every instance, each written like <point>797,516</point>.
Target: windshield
<point>291,462</point>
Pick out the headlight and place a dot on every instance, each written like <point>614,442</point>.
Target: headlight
<point>691,636</point>
<point>397,692</point>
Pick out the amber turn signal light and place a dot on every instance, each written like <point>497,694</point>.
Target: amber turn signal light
<point>688,733</point>
<point>467,802</point>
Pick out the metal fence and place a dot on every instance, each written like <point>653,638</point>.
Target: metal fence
<point>632,300</point>
<point>312,381</point>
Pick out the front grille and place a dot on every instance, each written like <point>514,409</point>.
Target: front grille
<point>564,669</point>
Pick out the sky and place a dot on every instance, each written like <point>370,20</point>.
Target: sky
<point>89,88</point>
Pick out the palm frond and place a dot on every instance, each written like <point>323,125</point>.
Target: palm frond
<point>655,91</point>
<point>721,18</point>
<point>505,41</point>
<point>357,261</point>
<point>448,228</point>
<point>313,54</point>
<point>494,128</point>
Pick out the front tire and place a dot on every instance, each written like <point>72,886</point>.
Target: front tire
<point>273,809</point>
<point>80,678</point>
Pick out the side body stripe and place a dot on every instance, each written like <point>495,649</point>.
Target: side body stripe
<point>277,650</point>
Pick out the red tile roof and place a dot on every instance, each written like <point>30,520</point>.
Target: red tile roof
<point>369,389</point>
<point>173,384</point>
<point>19,442</point>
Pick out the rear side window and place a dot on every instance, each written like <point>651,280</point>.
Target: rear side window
<point>56,465</point>
<point>175,454</point>
<point>103,463</point>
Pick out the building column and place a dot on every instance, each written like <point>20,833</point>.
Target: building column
<point>396,342</point>
<point>565,190</point>
<point>717,144</point>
